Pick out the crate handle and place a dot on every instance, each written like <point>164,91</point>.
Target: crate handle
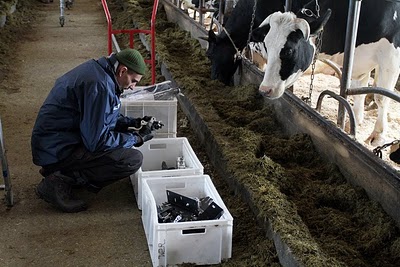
<point>194,231</point>
<point>173,185</point>
<point>158,146</point>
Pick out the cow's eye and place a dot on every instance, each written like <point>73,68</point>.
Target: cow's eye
<point>286,52</point>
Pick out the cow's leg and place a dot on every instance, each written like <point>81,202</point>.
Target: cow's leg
<point>384,58</point>
<point>387,78</point>
<point>359,100</point>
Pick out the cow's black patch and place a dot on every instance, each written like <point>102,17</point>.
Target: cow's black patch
<point>221,54</point>
<point>376,22</point>
<point>221,51</point>
<point>296,54</point>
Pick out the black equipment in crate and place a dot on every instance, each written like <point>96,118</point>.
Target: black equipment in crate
<point>180,208</point>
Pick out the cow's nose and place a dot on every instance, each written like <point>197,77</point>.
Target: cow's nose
<point>265,90</point>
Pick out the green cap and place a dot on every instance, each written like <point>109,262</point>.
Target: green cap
<point>133,60</point>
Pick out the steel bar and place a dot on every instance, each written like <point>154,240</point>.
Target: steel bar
<point>374,90</point>
<point>342,101</point>
<point>6,174</point>
<point>288,5</point>
<point>349,48</point>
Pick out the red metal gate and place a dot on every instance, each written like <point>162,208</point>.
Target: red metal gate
<point>131,32</point>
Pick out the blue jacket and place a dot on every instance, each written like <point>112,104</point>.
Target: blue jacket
<point>82,108</point>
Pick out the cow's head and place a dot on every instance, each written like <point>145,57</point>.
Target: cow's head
<point>289,50</point>
<point>221,53</point>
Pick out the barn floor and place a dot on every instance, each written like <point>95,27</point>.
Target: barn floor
<point>33,233</point>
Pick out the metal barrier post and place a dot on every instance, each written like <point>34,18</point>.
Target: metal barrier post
<point>350,44</point>
<point>6,174</point>
<point>62,17</point>
<point>288,5</point>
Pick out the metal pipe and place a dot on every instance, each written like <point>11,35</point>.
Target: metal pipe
<point>115,42</point>
<point>62,4</point>
<point>374,90</point>
<point>62,17</point>
<point>109,26</point>
<point>6,174</point>
<point>343,102</point>
<point>350,44</point>
<point>153,41</point>
<point>221,10</point>
<point>334,66</point>
<point>201,15</point>
<point>288,5</point>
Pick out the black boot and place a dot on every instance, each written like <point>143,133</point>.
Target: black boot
<point>55,190</point>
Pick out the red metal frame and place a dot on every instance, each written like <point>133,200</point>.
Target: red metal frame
<point>131,32</point>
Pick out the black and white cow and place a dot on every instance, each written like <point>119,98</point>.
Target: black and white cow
<point>222,48</point>
<point>377,48</point>
<point>290,49</point>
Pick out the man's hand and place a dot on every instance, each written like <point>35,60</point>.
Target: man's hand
<point>146,133</point>
<point>146,130</point>
<point>148,118</point>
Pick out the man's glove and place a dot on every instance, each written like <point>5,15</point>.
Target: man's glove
<point>147,118</point>
<point>145,134</point>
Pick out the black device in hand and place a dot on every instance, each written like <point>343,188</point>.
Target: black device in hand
<point>150,121</point>
<point>146,129</point>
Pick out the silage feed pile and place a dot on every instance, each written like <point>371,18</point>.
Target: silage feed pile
<point>323,219</point>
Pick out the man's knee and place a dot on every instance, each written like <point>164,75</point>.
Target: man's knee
<point>134,159</point>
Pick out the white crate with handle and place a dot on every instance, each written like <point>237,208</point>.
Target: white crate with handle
<point>164,151</point>
<point>199,242</point>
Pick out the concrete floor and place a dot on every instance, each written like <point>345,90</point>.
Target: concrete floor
<point>110,232</point>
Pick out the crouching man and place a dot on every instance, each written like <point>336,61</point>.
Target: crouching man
<point>80,139</point>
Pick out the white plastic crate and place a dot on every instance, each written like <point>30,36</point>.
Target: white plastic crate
<point>198,242</point>
<point>163,110</point>
<point>156,151</point>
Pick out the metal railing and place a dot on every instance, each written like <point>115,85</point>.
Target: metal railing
<point>6,174</point>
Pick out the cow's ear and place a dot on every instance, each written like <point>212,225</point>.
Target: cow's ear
<point>258,34</point>
<point>212,37</point>
<point>266,21</point>
<point>219,26</point>
<point>317,25</point>
<point>304,27</point>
